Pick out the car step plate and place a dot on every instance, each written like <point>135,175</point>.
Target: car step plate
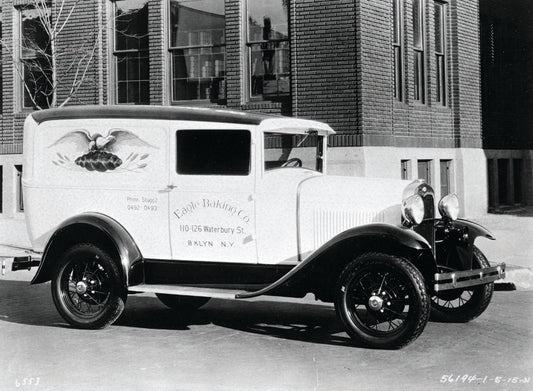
<point>181,290</point>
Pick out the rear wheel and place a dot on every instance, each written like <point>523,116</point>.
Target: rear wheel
<point>463,305</point>
<point>87,287</point>
<point>182,303</point>
<point>382,300</point>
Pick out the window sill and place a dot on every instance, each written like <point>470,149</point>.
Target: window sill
<point>198,103</point>
<point>261,104</point>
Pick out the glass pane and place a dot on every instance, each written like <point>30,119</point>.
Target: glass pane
<point>131,25</point>
<point>268,20</point>
<point>445,166</point>
<point>439,39</point>
<point>290,151</point>
<point>197,23</point>
<point>35,40</point>
<point>270,69</point>
<point>417,23</point>
<point>424,170</point>
<point>396,18</point>
<point>132,76</point>
<point>199,74</point>
<point>213,152</point>
<point>38,88</point>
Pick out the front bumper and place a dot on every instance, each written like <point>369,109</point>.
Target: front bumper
<point>468,278</point>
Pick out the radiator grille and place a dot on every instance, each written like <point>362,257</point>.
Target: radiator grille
<point>329,223</point>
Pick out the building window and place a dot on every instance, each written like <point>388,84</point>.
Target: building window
<point>35,60</point>
<point>440,51</point>
<point>405,169</point>
<point>503,181</point>
<point>445,177</point>
<point>130,55</point>
<point>198,50</point>
<point>397,46</point>
<point>213,152</point>
<point>268,49</point>
<point>424,170</point>
<point>517,180</point>
<point>418,51</point>
<point>19,197</point>
<point>491,181</point>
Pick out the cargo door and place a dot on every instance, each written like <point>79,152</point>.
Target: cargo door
<point>212,207</point>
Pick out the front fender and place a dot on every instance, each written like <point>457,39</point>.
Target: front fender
<point>455,244</point>
<point>100,229</point>
<point>326,262</point>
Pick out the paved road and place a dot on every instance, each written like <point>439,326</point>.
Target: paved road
<point>229,345</point>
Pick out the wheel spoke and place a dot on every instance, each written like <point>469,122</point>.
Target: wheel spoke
<point>402,315</point>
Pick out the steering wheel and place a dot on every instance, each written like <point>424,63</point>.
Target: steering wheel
<point>293,162</point>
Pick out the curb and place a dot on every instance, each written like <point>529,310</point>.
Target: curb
<point>521,277</point>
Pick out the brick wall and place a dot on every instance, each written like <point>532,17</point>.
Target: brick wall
<point>467,69</point>
<point>341,64</point>
<point>324,62</point>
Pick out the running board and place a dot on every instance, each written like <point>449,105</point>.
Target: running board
<point>181,290</point>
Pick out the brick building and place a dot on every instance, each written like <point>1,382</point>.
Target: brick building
<point>399,80</point>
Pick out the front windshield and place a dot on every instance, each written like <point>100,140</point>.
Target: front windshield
<point>294,150</point>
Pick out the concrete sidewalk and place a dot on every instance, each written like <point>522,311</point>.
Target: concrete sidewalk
<point>513,230</point>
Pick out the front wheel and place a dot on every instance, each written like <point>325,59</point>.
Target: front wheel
<point>382,300</point>
<point>463,305</point>
<point>87,288</point>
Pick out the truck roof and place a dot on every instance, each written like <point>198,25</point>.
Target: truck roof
<point>151,112</point>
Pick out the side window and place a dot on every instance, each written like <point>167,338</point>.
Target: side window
<point>213,152</point>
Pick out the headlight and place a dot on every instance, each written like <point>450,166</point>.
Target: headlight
<point>413,209</point>
<point>449,207</point>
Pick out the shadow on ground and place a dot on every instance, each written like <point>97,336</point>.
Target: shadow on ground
<point>32,305</point>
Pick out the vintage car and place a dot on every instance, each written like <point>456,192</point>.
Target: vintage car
<point>196,203</point>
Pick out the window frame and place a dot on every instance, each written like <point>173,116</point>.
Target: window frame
<point>441,56</point>
<point>428,168</point>
<point>114,53</point>
<point>248,43</point>
<point>218,130</point>
<point>446,167</point>
<point>419,53</point>
<point>171,49</point>
<point>20,85</point>
<point>398,49</point>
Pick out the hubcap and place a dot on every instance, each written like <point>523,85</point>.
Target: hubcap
<point>81,287</point>
<point>375,303</point>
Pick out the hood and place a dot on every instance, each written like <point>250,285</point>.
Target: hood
<point>329,205</point>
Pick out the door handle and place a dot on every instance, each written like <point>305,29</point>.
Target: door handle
<point>168,188</point>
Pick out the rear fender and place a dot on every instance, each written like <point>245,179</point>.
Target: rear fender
<point>322,268</point>
<point>100,230</point>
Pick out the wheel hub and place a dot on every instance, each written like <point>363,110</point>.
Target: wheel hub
<point>81,287</point>
<point>375,303</point>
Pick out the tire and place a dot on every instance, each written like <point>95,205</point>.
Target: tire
<point>87,287</point>
<point>382,301</point>
<point>182,303</point>
<point>463,305</point>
